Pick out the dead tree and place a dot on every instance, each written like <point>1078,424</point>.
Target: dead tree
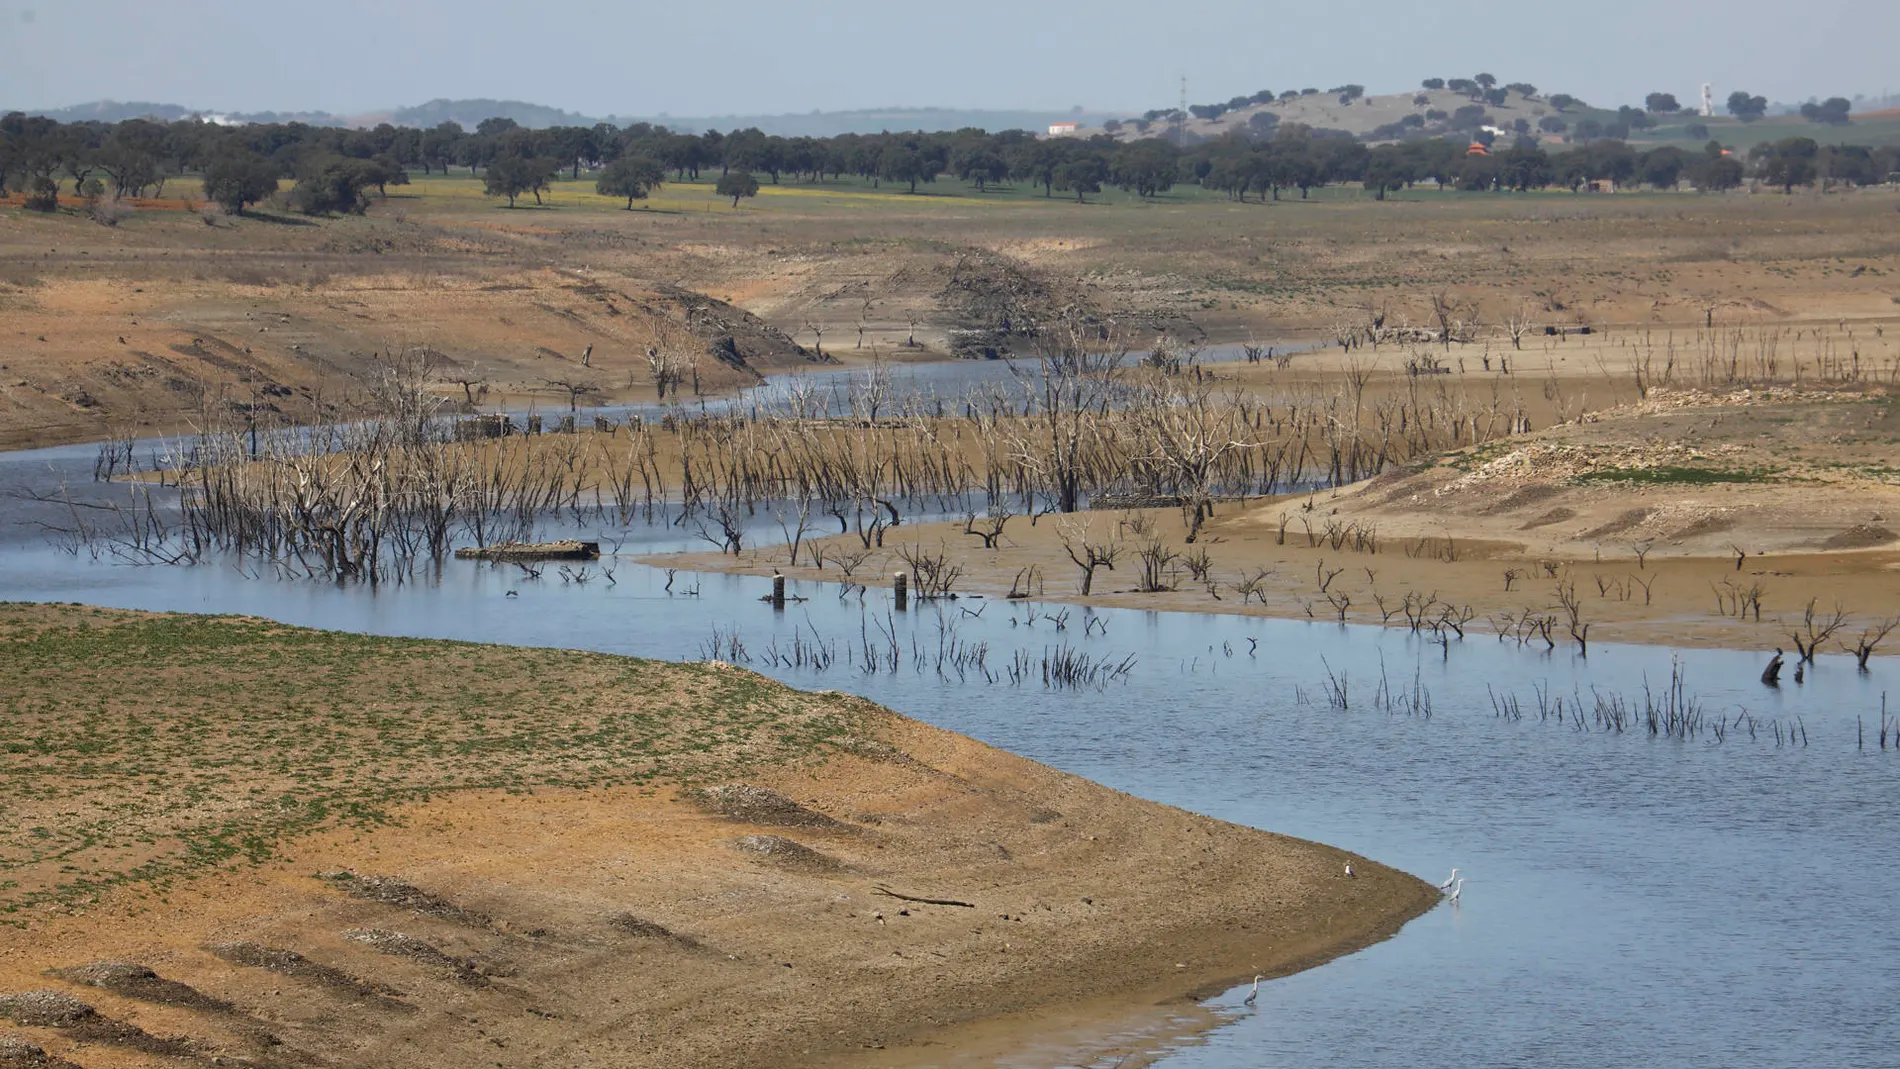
<point>1816,629</point>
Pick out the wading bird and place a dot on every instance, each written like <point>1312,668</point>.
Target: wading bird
<point>1348,869</point>
<point>1449,880</point>
<point>1457,889</point>
<point>1254,994</point>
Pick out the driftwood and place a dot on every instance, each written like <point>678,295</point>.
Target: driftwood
<point>888,893</point>
<point>568,549</point>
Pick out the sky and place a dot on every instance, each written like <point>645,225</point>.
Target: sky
<point>777,56</point>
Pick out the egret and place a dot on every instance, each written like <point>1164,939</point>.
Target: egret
<point>1449,880</point>
<point>1348,870</point>
<point>1254,994</point>
<point>1457,889</point>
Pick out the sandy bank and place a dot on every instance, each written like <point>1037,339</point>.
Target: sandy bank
<point>652,925</point>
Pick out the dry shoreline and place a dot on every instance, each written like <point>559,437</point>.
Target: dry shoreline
<point>647,925</point>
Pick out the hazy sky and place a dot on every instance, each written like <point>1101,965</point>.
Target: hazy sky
<point>769,56</point>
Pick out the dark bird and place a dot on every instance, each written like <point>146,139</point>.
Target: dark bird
<point>512,594</point>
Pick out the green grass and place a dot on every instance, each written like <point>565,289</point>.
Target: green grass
<point>1672,475</point>
<point>139,748</point>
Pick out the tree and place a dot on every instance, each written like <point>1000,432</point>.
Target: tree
<point>1563,101</point>
<point>1523,89</point>
<point>1081,176</point>
<point>1485,81</point>
<point>1551,124</point>
<point>1832,111</point>
<point>1662,168</point>
<point>1462,85</point>
<point>1745,107</point>
<point>1147,168</point>
<point>736,184</point>
<point>1696,131</point>
<point>236,179</point>
<point>1384,174</point>
<point>1432,83</point>
<point>511,176</point>
<point>1718,172</point>
<point>981,167</point>
<point>329,184</point>
<point>1661,102</point>
<point>632,177</point>
<point>904,163</point>
<point>1789,162</point>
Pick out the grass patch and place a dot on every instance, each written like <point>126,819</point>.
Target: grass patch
<point>136,748</point>
<point>1675,475</point>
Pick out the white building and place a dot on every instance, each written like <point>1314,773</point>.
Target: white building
<point>1062,129</point>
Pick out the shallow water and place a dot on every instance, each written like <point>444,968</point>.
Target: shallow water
<point>1631,901</point>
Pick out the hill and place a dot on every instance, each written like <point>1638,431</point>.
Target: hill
<point>470,113</point>
<point>876,120</point>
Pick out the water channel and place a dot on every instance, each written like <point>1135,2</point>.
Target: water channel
<point>1631,900</point>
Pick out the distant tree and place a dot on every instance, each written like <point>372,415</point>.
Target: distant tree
<point>1495,97</point>
<point>1716,170</point>
<point>632,177</point>
<point>1146,168</point>
<point>1309,91</point>
<point>1523,89</point>
<point>1745,107</point>
<point>1432,83</point>
<point>1462,85</point>
<point>330,184</point>
<point>1832,111</point>
<point>981,167</point>
<point>1616,129</point>
<point>235,179</point>
<point>1552,124</point>
<point>1789,162</point>
<point>495,126</point>
<point>1485,81</point>
<point>1588,130</point>
<point>904,163</point>
<point>1384,174</point>
<point>1238,102</point>
<point>1265,96</point>
<point>1262,122</point>
<point>736,184</point>
<point>1420,100</point>
<point>1082,176</point>
<point>1521,125</point>
<point>1112,126</point>
<point>1696,131</point>
<point>1290,94</point>
<point>1662,167</point>
<point>511,176</point>
<point>1563,101</point>
<point>1661,102</point>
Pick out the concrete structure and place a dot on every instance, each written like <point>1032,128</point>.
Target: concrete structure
<point>1060,129</point>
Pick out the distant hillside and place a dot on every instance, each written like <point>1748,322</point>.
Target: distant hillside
<point>470,113</point>
<point>112,111</point>
<point>873,121</point>
<point>1364,117</point>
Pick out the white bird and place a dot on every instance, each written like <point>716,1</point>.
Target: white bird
<point>1254,994</point>
<point>1457,889</point>
<point>1349,869</point>
<point>1449,880</point>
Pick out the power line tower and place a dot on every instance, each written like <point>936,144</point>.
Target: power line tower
<point>1708,100</point>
